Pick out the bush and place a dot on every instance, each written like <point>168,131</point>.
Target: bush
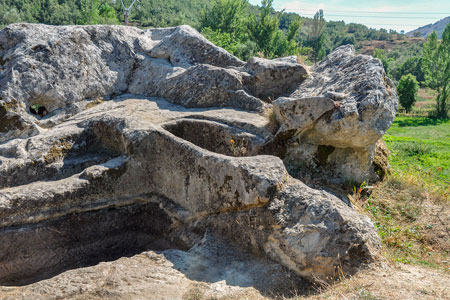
<point>407,89</point>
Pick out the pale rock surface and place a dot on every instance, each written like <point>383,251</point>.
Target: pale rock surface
<point>60,66</point>
<point>187,153</point>
<point>148,155</point>
<point>338,114</point>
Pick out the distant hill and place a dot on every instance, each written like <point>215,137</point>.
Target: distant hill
<point>424,31</point>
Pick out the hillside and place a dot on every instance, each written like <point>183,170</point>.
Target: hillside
<point>424,31</point>
<point>155,13</point>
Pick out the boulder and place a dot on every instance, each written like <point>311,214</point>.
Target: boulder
<point>158,135</point>
<point>60,66</point>
<point>336,116</point>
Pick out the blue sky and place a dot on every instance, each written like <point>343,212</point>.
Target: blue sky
<point>394,14</point>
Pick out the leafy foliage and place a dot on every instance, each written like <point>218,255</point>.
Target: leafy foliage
<point>264,30</point>
<point>58,12</point>
<point>316,36</point>
<point>226,16</point>
<point>225,24</point>
<point>380,54</point>
<point>407,90</point>
<point>413,65</point>
<point>160,13</point>
<point>436,62</point>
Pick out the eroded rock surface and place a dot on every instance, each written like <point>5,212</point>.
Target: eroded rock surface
<point>338,114</point>
<point>182,148</point>
<point>59,67</point>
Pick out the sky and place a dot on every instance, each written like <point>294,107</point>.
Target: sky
<point>393,14</point>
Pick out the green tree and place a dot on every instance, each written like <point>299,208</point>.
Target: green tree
<point>97,12</point>
<point>11,16</point>
<point>264,31</point>
<point>413,65</point>
<point>224,25</point>
<point>107,14</point>
<point>263,28</point>
<point>381,55</point>
<point>221,39</point>
<point>407,89</point>
<point>436,63</point>
<point>316,36</point>
<point>225,16</point>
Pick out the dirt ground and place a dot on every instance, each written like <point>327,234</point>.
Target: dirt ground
<point>152,275</point>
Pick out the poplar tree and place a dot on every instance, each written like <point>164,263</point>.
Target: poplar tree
<point>436,63</point>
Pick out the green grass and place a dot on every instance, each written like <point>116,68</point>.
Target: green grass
<point>420,146</point>
<point>401,206</point>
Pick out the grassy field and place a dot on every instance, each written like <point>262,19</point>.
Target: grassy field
<point>420,147</point>
<point>411,207</point>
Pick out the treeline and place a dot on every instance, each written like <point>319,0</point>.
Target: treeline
<point>313,37</point>
<point>245,37</point>
<point>58,12</point>
<point>425,65</point>
<point>146,13</point>
<point>246,30</point>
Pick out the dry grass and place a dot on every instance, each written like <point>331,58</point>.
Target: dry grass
<point>413,223</point>
<point>273,125</point>
<point>427,94</point>
<point>94,103</point>
<point>387,282</point>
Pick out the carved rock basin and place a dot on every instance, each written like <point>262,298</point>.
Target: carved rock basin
<point>164,186</point>
<point>95,179</point>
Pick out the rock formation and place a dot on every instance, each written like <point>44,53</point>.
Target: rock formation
<point>159,135</point>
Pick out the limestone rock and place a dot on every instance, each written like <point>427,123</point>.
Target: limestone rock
<point>272,79</point>
<point>345,105</point>
<point>60,66</point>
<point>131,153</point>
<point>158,137</point>
<point>210,269</point>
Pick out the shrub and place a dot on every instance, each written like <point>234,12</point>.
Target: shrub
<point>407,89</point>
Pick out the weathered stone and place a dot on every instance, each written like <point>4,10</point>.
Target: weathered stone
<point>274,78</point>
<point>347,103</point>
<point>188,162</point>
<point>60,66</point>
<point>197,188</point>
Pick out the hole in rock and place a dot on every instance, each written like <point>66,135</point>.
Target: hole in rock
<point>35,252</point>
<point>38,109</point>
<point>323,151</point>
<point>216,137</point>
